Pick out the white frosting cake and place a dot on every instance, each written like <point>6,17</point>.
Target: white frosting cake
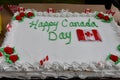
<point>53,43</point>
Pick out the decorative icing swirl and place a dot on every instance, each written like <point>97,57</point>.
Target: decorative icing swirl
<point>62,70</point>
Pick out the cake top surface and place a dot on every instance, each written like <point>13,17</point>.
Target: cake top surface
<point>42,40</point>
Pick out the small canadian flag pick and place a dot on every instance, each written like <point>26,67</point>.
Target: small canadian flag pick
<point>50,10</point>
<point>87,10</point>
<point>21,9</point>
<point>110,12</point>
<point>8,27</point>
<point>44,60</point>
<point>13,8</point>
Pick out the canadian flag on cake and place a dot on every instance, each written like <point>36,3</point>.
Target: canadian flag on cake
<point>87,10</point>
<point>21,9</point>
<point>110,12</point>
<point>50,10</point>
<point>13,8</point>
<point>88,35</point>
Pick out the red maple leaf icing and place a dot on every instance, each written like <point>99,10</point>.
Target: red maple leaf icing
<point>114,58</point>
<point>13,58</point>
<point>22,14</point>
<point>100,15</point>
<point>9,50</point>
<point>106,18</point>
<point>30,14</point>
<point>18,17</point>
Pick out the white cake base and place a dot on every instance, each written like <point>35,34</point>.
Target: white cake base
<point>67,57</point>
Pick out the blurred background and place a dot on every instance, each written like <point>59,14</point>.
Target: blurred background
<point>53,1</point>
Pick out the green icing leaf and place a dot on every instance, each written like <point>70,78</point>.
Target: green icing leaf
<point>118,47</point>
<point>108,21</point>
<point>97,17</point>
<point>2,50</point>
<point>8,60</point>
<point>13,18</point>
<point>108,57</point>
<point>117,61</point>
<point>14,50</point>
<point>7,56</point>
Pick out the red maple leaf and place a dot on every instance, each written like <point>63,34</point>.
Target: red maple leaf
<point>13,58</point>
<point>114,58</point>
<point>9,50</point>
<point>88,34</point>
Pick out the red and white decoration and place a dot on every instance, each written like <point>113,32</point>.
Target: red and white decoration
<point>50,10</point>
<point>110,12</point>
<point>88,35</point>
<point>21,9</point>
<point>44,60</point>
<point>8,27</point>
<point>87,10</point>
<point>13,8</point>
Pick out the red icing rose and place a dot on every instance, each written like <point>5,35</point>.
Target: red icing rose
<point>114,58</point>
<point>100,15</point>
<point>22,14</point>
<point>9,50</point>
<point>1,54</point>
<point>30,14</point>
<point>13,58</point>
<point>106,18</point>
<point>18,17</point>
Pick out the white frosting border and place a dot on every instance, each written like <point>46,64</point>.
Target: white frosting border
<point>57,70</point>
